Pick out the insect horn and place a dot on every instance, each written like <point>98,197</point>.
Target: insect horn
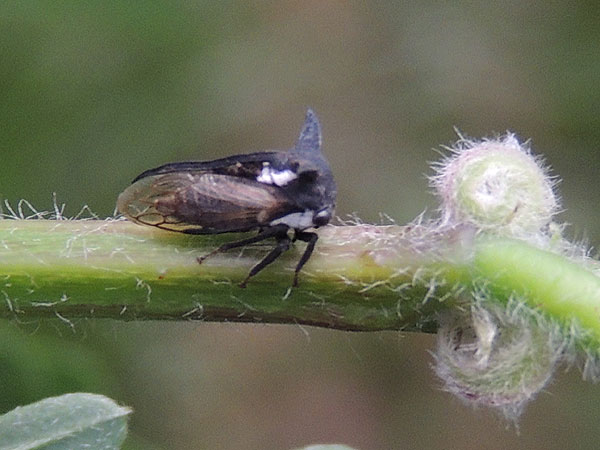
<point>310,135</point>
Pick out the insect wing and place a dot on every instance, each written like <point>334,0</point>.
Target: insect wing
<point>203,202</point>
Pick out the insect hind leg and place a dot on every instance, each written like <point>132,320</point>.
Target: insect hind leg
<point>277,230</point>
<point>283,244</point>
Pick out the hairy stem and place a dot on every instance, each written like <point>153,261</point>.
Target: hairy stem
<point>360,277</point>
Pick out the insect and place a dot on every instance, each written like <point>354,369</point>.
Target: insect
<point>272,192</point>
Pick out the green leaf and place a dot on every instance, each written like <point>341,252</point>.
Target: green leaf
<point>71,421</point>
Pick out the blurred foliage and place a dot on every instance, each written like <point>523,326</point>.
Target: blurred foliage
<point>66,422</point>
<point>94,92</point>
<point>47,363</point>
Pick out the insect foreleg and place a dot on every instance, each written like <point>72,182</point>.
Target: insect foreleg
<point>311,238</point>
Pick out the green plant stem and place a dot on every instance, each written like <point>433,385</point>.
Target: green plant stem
<point>361,277</point>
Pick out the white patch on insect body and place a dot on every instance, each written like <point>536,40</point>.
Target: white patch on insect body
<point>323,213</point>
<point>268,175</point>
<point>298,221</point>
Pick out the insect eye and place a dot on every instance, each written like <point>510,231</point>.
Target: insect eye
<point>322,218</point>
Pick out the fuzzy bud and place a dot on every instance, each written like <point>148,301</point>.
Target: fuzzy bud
<point>495,185</point>
<point>497,356</point>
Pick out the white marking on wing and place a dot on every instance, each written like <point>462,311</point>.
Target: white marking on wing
<point>279,178</point>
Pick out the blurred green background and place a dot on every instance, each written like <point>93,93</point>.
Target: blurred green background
<point>92,93</point>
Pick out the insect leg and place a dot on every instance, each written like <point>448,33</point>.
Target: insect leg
<point>283,244</point>
<point>311,238</point>
<point>265,234</point>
